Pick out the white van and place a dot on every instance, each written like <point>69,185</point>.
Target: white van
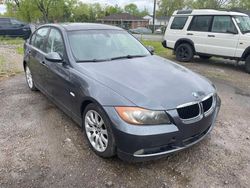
<point>209,33</point>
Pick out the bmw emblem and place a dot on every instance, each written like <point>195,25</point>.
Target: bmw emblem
<point>195,94</point>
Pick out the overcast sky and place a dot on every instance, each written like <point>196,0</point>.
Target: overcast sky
<point>140,3</point>
<point>2,9</point>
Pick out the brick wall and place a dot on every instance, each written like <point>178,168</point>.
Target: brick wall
<point>136,24</point>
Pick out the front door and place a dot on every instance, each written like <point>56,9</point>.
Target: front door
<point>224,37</point>
<point>58,73</point>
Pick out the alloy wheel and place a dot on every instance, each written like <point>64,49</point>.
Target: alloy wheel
<point>183,53</point>
<point>29,77</point>
<point>96,131</point>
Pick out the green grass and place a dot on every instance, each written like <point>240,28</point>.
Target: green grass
<point>17,43</point>
<point>11,41</point>
<point>159,49</point>
<point>20,50</point>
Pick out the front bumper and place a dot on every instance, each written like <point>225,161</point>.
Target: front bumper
<point>141,143</point>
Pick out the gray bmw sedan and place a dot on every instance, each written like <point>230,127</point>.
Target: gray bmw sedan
<point>127,100</point>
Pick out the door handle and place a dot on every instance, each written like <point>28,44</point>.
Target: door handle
<point>211,35</point>
<point>190,34</point>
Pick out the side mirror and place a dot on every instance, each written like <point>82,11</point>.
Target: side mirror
<point>54,57</point>
<point>150,49</point>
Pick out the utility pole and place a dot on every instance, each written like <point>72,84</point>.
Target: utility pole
<point>154,16</point>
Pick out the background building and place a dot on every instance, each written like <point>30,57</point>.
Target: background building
<point>125,20</point>
<point>159,21</point>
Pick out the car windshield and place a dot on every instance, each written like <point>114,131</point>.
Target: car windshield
<point>103,45</point>
<point>243,23</point>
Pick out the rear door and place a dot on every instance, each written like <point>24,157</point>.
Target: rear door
<point>198,32</point>
<point>224,37</point>
<point>37,54</point>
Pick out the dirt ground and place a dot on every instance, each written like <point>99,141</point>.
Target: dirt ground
<point>9,60</point>
<point>40,146</point>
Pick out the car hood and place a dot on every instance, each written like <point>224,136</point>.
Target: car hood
<point>150,82</point>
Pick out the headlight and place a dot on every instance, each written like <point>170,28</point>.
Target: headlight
<point>140,116</point>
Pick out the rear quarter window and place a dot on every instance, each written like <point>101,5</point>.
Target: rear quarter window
<point>179,22</point>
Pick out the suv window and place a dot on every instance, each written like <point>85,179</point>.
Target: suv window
<point>4,22</point>
<point>55,42</point>
<point>200,23</point>
<point>179,22</point>
<point>39,38</point>
<point>223,24</point>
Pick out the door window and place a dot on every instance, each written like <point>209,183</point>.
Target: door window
<point>223,24</point>
<point>55,42</point>
<point>39,38</point>
<point>179,22</point>
<point>4,22</point>
<point>200,23</point>
<point>15,22</point>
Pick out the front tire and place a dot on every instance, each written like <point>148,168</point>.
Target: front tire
<point>184,52</point>
<point>97,129</point>
<point>247,64</point>
<point>29,79</point>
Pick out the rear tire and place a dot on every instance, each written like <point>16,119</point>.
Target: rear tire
<point>247,64</point>
<point>205,56</point>
<point>184,52</point>
<point>98,132</point>
<point>29,79</point>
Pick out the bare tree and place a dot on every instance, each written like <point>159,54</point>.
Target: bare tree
<point>16,2</point>
<point>44,6</point>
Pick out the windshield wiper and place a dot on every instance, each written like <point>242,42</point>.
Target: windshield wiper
<point>110,59</point>
<point>127,57</point>
<point>92,60</point>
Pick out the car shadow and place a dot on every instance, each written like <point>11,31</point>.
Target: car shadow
<point>221,63</point>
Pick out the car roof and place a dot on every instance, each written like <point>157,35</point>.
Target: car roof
<point>206,12</point>
<point>84,26</point>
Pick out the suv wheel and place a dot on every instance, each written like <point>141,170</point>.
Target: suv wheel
<point>247,64</point>
<point>184,52</point>
<point>205,56</point>
<point>97,128</point>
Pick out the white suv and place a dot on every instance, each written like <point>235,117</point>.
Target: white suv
<point>209,33</point>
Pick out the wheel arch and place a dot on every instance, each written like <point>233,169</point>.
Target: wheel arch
<point>184,40</point>
<point>246,53</point>
<point>85,102</point>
